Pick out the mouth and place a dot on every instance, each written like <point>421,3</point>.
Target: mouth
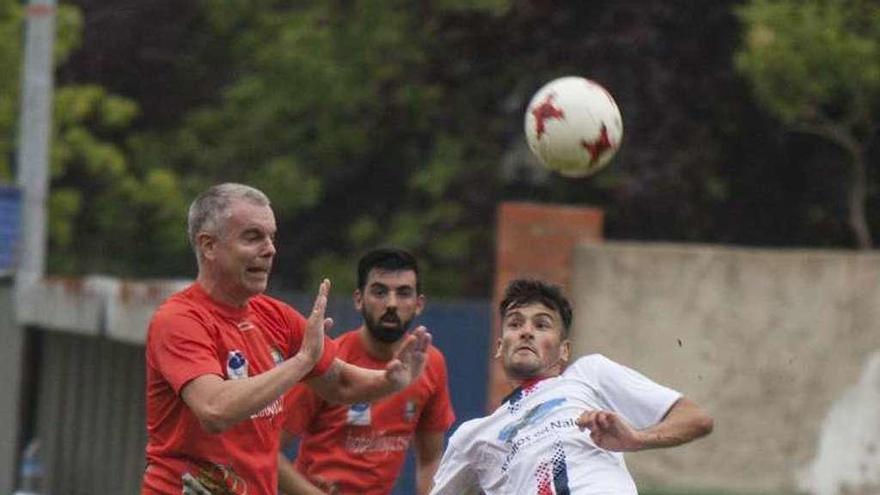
<point>525,348</point>
<point>391,321</point>
<point>257,270</point>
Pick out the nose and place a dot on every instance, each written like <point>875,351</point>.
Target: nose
<point>391,302</point>
<point>269,248</point>
<point>527,332</point>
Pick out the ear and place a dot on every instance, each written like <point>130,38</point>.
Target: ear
<point>565,351</point>
<point>420,304</point>
<point>498,349</point>
<point>206,244</point>
<point>358,299</point>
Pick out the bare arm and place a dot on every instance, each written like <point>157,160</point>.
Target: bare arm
<point>291,482</point>
<point>429,450</point>
<point>219,404</point>
<point>685,421</point>
<point>346,383</point>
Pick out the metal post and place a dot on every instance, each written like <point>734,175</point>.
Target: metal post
<point>34,137</point>
<point>32,163</point>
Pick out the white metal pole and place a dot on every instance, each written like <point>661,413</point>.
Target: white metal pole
<point>34,137</point>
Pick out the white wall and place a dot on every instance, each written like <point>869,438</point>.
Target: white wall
<point>768,340</point>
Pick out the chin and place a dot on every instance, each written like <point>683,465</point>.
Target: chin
<point>256,289</point>
<point>522,371</point>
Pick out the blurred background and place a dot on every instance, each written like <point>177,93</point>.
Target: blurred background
<point>748,125</point>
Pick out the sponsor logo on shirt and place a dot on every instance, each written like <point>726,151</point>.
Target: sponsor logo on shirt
<point>275,408</point>
<point>277,358</point>
<point>359,414</point>
<point>375,442</point>
<point>409,411</point>
<point>207,478</point>
<point>534,415</point>
<point>236,365</point>
<point>550,429</point>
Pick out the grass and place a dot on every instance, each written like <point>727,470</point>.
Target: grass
<point>691,491</point>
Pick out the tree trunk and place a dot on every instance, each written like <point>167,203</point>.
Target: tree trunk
<point>857,194</point>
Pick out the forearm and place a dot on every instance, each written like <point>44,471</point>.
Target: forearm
<point>345,383</point>
<point>429,451</point>
<point>685,421</point>
<point>425,475</point>
<point>291,482</point>
<point>220,404</point>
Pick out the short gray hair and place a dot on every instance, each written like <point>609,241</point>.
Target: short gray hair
<point>210,208</point>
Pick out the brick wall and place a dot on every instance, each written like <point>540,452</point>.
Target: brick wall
<point>535,240</point>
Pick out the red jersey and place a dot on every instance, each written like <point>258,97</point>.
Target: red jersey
<point>192,335</point>
<point>360,448</point>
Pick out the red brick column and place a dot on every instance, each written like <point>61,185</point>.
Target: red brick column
<point>535,240</point>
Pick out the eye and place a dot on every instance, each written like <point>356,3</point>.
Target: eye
<point>543,325</point>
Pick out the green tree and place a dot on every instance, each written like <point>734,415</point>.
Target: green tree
<point>815,64</point>
<point>99,202</point>
<point>336,120</point>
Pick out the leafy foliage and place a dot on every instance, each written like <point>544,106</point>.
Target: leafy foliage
<point>816,66</point>
<point>400,122</point>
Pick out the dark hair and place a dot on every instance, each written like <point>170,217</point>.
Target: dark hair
<point>391,259</point>
<point>521,292</point>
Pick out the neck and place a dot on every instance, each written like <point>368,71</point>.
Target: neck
<point>215,291</point>
<point>377,349</point>
<point>551,371</point>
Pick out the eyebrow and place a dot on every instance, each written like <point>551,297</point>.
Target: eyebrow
<point>514,312</point>
<point>386,286</point>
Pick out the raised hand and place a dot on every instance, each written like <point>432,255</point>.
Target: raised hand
<point>610,432</point>
<point>313,341</point>
<point>409,361</point>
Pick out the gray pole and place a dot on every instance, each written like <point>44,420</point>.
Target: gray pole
<point>34,136</point>
<point>33,178</point>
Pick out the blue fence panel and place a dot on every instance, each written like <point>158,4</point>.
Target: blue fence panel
<point>10,221</point>
<point>460,329</point>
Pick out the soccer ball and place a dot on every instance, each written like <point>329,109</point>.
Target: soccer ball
<point>573,126</point>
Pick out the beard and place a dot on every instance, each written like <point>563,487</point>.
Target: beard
<point>386,334</point>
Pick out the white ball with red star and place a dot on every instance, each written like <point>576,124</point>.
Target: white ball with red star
<point>573,126</point>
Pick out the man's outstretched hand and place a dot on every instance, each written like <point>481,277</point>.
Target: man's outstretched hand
<point>610,432</point>
<point>316,326</point>
<point>409,361</point>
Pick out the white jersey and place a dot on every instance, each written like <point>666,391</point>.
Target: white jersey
<point>531,444</point>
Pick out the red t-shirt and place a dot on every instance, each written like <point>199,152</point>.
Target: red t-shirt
<point>361,448</point>
<point>192,335</point>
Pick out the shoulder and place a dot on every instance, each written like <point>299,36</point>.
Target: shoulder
<point>180,307</point>
<point>435,357</point>
<point>591,361</point>
<point>348,343</point>
<point>467,432</point>
<point>435,365</point>
<point>270,307</point>
<point>589,366</point>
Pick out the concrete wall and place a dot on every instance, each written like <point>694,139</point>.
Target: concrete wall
<point>778,345</point>
<point>12,338</point>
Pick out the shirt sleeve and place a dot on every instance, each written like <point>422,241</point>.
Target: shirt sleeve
<point>455,475</point>
<point>298,325</point>
<point>639,399</point>
<point>301,406</point>
<point>438,414</point>
<point>182,349</point>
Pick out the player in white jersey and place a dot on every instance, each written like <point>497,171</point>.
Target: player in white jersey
<point>565,428</point>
